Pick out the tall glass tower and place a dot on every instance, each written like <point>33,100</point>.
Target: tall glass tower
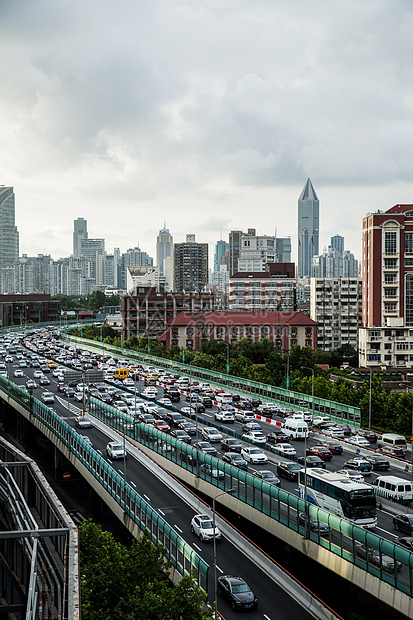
<point>308,229</point>
<point>164,248</point>
<point>79,232</point>
<point>9,236</point>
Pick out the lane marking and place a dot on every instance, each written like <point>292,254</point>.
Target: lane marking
<point>196,547</point>
<point>178,528</point>
<point>132,483</point>
<point>146,497</point>
<point>161,511</point>
<point>220,569</point>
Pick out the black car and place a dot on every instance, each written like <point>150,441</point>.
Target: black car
<point>278,437</point>
<point>206,447</point>
<point>406,542</point>
<point>245,405</point>
<point>181,435</point>
<point>371,436</point>
<point>379,463</point>
<point>359,464</point>
<point>375,558</point>
<point>256,402</point>
<point>207,402</point>
<point>174,419</point>
<point>234,458</point>
<point>333,445</point>
<point>231,445</point>
<point>268,476</point>
<point>288,469</point>
<point>237,592</point>
<point>188,427</point>
<point>404,523</point>
<point>311,461</point>
<point>199,407</point>
<point>393,451</point>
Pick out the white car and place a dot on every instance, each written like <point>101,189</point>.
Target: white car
<point>129,399</point>
<point>18,373</point>
<point>334,431</point>
<point>47,398</point>
<point>284,449</point>
<point>360,441</point>
<point>149,394</point>
<point>128,382</point>
<point>254,455</point>
<point>150,408</point>
<point>203,526</point>
<point>211,434</point>
<point>165,402</point>
<point>37,374</point>
<point>254,437</point>
<point>188,410</point>
<point>78,397</point>
<point>83,421</point>
<point>351,474</point>
<point>224,416</point>
<point>115,450</point>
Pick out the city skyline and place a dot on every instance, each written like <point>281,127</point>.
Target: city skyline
<point>141,113</point>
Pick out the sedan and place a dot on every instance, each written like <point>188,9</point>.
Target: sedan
<point>165,402</point>
<point>44,381</point>
<point>83,421</point>
<point>18,373</point>
<point>203,526</point>
<point>31,385</point>
<point>323,453</point>
<point>375,558</point>
<point>251,426</point>
<point>278,436</point>
<point>254,437</point>
<point>311,461</point>
<point>161,425</point>
<point>284,449</point>
<point>254,455</point>
<point>233,458</point>
<point>188,427</point>
<point>211,434</point>
<point>404,523</point>
<point>206,447</point>
<point>360,441</point>
<point>318,527</point>
<point>47,397</point>
<point>181,435</point>
<point>333,445</point>
<point>351,474</point>
<point>231,445</point>
<point>212,472</point>
<point>406,542</point>
<point>268,476</point>
<point>288,469</point>
<point>359,464</point>
<point>379,463</point>
<point>237,592</point>
<point>78,396</point>
<point>393,451</point>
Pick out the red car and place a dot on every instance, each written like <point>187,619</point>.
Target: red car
<point>161,425</point>
<point>320,451</point>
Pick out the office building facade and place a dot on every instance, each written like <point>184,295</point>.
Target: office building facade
<point>190,266</point>
<point>9,236</point>
<point>164,248</point>
<point>79,232</point>
<point>308,229</point>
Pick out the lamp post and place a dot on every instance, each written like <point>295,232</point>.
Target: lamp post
<point>215,547</point>
<point>227,358</point>
<point>370,401</point>
<point>411,444</point>
<point>305,449</point>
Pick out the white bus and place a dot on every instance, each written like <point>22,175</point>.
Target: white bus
<point>354,501</point>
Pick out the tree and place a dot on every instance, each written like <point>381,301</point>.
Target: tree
<point>97,300</point>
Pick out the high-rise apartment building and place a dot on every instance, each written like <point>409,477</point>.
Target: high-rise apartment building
<point>234,248</point>
<point>94,251</point>
<point>331,264</point>
<point>190,266</point>
<point>164,248</point>
<point>283,250</point>
<point>308,229</point>
<point>256,251</point>
<point>219,252</point>
<point>79,232</point>
<point>9,236</point>
<point>386,338</point>
<point>337,243</point>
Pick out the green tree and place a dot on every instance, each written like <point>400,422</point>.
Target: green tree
<point>97,300</point>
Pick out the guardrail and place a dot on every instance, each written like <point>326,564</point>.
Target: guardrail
<point>338,412</point>
<point>177,550</point>
<point>344,538</point>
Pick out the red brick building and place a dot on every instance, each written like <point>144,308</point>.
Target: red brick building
<point>285,329</point>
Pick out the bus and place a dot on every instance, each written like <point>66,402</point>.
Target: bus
<point>354,501</point>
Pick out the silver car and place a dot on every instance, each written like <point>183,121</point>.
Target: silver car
<point>202,525</point>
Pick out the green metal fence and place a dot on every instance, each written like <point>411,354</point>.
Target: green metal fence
<point>338,412</point>
<point>178,551</point>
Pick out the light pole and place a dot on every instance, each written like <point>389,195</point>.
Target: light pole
<point>305,449</point>
<point>411,444</point>
<point>370,401</point>
<point>215,547</point>
<point>227,358</point>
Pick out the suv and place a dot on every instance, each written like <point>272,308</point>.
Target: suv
<point>237,592</point>
<point>115,450</point>
<point>230,444</point>
<point>174,419</point>
<point>202,525</point>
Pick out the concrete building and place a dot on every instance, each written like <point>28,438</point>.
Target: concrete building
<point>220,280</point>
<point>234,249</point>
<point>332,264</point>
<point>256,251</point>
<point>268,291</point>
<point>283,250</point>
<point>79,232</point>
<point>308,229</point>
<point>285,329</point>
<point>147,312</point>
<point>190,266</point>
<point>386,338</point>
<point>336,307</point>
<point>337,243</point>
<point>164,248</point>
<point>94,251</point>
<point>9,236</point>
<point>22,309</point>
<point>220,248</point>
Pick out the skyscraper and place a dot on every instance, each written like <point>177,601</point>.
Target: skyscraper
<point>308,229</point>
<point>234,247</point>
<point>79,232</point>
<point>337,243</point>
<point>94,251</point>
<point>164,248</point>
<point>9,236</point>
<point>190,266</point>
<point>219,251</point>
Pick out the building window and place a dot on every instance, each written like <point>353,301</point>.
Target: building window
<point>409,299</point>
<point>408,262</point>
<point>390,277</point>
<point>390,263</point>
<point>390,242</point>
<point>408,239</point>
<point>390,292</point>
<point>293,341</point>
<point>402,346</point>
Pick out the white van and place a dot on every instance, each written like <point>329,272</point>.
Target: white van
<point>393,487</point>
<point>295,428</point>
<point>391,439</point>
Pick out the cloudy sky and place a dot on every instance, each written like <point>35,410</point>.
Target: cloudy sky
<point>209,115</point>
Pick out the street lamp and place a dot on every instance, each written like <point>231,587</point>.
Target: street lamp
<point>305,449</point>
<point>370,401</point>
<point>411,445</point>
<point>227,358</point>
<point>215,547</point>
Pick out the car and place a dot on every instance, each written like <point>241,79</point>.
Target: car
<point>161,425</point>
<point>44,381</point>
<point>278,436</point>
<point>254,455</point>
<point>22,364</point>
<point>359,464</point>
<point>174,419</point>
<point>181,435</point>
<point>360,441</point>
<point>83,421</point>
<point>334,431</point>
<point>237,592</point>
<point>211,434</point>
<point>211,471</point>
<point>406,542</point>
<point>47,398</point>
<point>206,447</point>
<point>375,558</point>
<point>37,374</point>
<point>332,444</point>
<point>244,416</point>
<point>318,527</point>
<point>321,451</point>
<point>189,427</point>
<point>351,474</point>
<point>288,469</point>
<point>394,451</point>
<point>236,459</point>
<point>31,385</point>
<point>146,418</point>
<point>251,426</point>
<point>311,461</point>
<point>284,449</point>
<point>78,397</point>
<point>202,526</point>
<point>18,373</point>
<point>188,410</point>
<point>70,392</point>
<point>231,445</point>
<point>61,387</point>
<point>8,359</point>
<point>378,462</point>
<point>115,450</point>
<point>268,476</point>
<point>224,416</point>
<point>371,436</point>
<point>165,402</point>
<point>403,522</point>
<point>255,437</point>
<point>87,440</point>
<point>151,408</point>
